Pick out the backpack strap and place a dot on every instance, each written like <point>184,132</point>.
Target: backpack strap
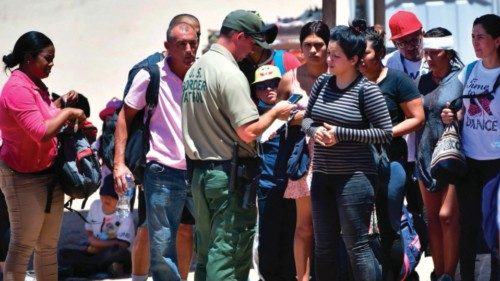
<point>150,60</point>
<point>495,86</point>
<point>378,149</point>
<point>485,93</point>
<point>152,93</point>
<point>154,58</point>
<point>321,85</point>
<point>153,89</point>
<point>468,70</point>
<point>323,82</point>
<point>50,192</point>
<point>55,177</point>
<point>361,102</point>
<point>68,205</point>
<point>457,104</point>
<point>279,60</point>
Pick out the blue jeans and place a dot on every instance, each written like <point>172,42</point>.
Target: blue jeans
<point>343,202</point>
<point>165,190</point>
<point>389,202</point>
<point>395,194</point>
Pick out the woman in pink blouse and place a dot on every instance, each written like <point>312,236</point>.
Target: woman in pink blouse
<point>29,122</point>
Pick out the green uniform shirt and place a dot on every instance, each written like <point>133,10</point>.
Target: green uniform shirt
<point>215,101</point>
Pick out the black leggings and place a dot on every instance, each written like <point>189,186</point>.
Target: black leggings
<point>470,192</point>
<point>84,264</point>
<point>4,228</point>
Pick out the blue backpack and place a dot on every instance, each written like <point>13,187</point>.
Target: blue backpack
<point>379,151</point>
<point>411,242</point>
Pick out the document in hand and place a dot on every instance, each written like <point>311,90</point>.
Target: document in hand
<point>266,135</point>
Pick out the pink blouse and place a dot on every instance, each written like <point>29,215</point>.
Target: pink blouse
<point>24,108</point>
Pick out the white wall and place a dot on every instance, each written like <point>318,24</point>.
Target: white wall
<point>97,41</point>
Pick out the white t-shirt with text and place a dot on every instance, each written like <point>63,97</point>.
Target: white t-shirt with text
<point>481,127</point>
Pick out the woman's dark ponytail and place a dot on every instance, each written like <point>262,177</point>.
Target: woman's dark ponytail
<point>10,60</point>
<point>31,43</point>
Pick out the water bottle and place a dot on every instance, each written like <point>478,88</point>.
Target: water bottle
<point>123,205</point>
<point>30,276</point>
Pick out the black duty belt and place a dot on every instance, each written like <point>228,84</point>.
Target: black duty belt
<point>226,164</point>
<point>211,164</point>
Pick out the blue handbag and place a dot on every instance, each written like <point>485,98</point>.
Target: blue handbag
<point>299,160</point>
<point>298,163</point>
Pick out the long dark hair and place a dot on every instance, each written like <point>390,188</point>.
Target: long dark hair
<point>318,28</point>
<point>31,43</point>
<point>442,32</point>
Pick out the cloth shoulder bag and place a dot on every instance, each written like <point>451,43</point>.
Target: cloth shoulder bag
<point>448,161</point>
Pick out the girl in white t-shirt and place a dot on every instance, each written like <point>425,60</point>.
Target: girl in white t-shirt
<point>480,119</point>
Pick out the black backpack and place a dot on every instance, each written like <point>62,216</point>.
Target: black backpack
<point>138,137</point>
<point>77,168</point>
<point>379,151</point>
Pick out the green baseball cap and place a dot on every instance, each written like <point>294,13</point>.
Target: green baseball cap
<point>247,22</point>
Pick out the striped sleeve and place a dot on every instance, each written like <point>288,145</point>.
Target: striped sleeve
<point>376,112</point>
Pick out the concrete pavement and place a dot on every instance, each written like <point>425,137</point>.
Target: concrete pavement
<point>72,233</point>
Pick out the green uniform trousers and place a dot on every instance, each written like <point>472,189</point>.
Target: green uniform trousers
<point>224,230</point>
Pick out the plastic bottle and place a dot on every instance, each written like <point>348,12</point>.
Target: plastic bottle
<point>30,276</point>
<point>123,205</point>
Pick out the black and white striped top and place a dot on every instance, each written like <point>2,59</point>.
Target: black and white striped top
<point>341,108</point>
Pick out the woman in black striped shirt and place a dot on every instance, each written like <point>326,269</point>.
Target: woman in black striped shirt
<point>344,173</point>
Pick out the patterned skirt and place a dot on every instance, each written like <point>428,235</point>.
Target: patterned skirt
<point>301,187</point>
